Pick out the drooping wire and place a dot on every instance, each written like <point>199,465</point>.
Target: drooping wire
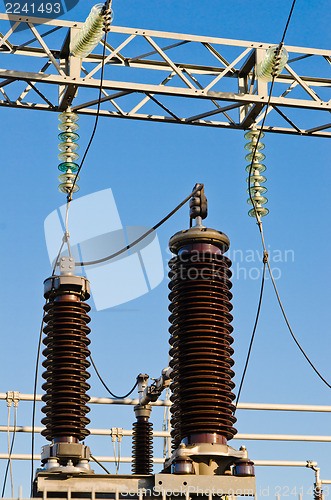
<point>35,397</point>
<point>105,386</point>
<point>10,451</point>
<point>257,216</point>
<point>141,238</point>
<point>253,335</point>
<point>258,219</point>
<point>9,456</point>
<point>291,331</point>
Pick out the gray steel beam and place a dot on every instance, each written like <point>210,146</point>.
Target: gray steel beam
<point>315,132</point>
<point>64,71</point>
<point>163,90</point>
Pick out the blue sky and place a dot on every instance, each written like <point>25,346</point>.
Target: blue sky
<point>150,168</point>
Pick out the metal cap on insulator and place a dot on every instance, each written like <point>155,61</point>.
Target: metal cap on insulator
<point>243,468</point>
<point>143,411</point>
<point>67,282</point>
<point>209,240</point>
<point>182,463</point>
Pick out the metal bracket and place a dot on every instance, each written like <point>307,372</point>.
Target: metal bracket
<point>67,266</point>
<point>12,397</point>
<point>116,433</point>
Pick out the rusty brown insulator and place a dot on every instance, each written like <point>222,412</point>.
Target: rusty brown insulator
<point>201,338</point>
<point>142,442</point>
<point>66,364</point>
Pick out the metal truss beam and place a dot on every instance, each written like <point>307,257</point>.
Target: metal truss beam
<point>204,81</point>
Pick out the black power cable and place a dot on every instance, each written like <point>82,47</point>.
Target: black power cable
<point>106,387</point>
<point>258,219</point>
<point>69,197</point>
<point>141,238</point>
<point>10,453</point>
<point>253,335</point>
<point>291,331</point>
<point>35,398</point>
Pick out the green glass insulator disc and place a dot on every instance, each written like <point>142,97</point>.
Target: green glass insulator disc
<point>262,211</point>
<point>259,189</point>
<point>68,135</point>
<point>256,166</point>
<point>71,126</point>
<point>68,177</point>
<point>257,156</point>
<point>257,178</point>
<point>250,146</point>
<point>253,133</point>
<point>68,146</point>
<point>68,115</point>
<point>68,156</point>
<point>262,200</point>
<point>65,187</point>
<point>65,166</point>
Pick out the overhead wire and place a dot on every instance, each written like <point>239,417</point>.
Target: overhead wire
<point>258,218</point>
<point>69,196</point>
<point>141,238</point>
<point>10,451</point>
<point>35,397</point>
<point>107,388</point>
<point>291,331</point>
<point>9,454</point>
<point>252,337</point>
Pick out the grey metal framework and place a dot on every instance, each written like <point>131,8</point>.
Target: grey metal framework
<point>163,77</point>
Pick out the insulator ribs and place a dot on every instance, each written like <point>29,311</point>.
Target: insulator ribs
<point>142,447</point>
<point>201,345</point>
<point>66,368</point>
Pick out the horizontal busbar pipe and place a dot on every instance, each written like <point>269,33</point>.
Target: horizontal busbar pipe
<point>160,402</point>
<point>269,463</point>
<point>164,434</point>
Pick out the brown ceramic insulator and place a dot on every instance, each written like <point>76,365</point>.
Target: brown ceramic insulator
<point>201,347</point>
<point>66,368</point>
<point>142,447</point>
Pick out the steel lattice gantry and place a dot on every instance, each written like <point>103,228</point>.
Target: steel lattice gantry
<point>173,78</point>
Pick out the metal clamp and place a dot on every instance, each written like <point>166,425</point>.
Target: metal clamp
<point>116,434</point>
<point>13,397</point>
